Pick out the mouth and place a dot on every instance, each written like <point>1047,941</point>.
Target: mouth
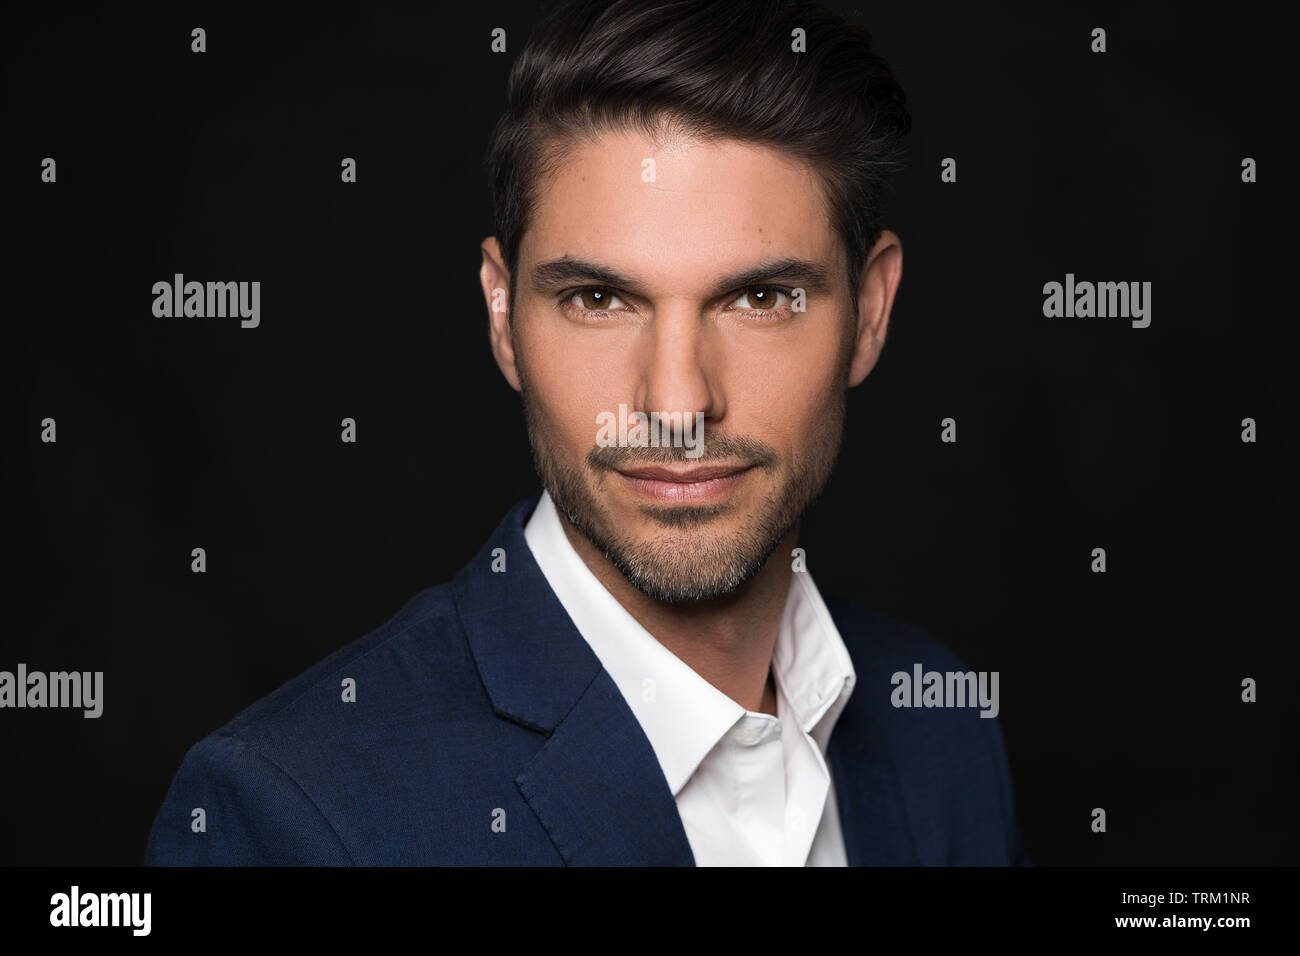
<point>679,485</point>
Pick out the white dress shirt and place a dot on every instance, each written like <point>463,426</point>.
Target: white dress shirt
<point>752,789</point>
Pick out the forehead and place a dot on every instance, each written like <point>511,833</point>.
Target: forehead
<point>676,212</point>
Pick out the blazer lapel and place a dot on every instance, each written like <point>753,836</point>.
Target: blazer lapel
<point>595,784</point>
<point>598,790</point>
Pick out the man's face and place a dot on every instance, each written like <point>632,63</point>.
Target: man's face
<point>674,333</point>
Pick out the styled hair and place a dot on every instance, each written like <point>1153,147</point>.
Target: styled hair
<point>710,69</point>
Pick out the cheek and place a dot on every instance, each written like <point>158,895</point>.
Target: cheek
<point>786,390</point>
<point>567,382</point>
<point>554,351</point>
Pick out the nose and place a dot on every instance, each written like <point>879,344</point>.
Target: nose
<point>680,365</point>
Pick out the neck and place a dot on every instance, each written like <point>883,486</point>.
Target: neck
<point>729,640</point>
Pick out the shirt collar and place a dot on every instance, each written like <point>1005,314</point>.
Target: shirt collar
<point>682,714</point>
<point>810,661</point>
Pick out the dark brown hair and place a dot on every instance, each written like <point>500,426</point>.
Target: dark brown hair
<point>710,68</point>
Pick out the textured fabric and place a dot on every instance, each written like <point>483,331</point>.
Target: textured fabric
<point>485,731</point>
<point>751,788</point>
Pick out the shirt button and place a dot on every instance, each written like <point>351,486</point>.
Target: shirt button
<point>747,733</point>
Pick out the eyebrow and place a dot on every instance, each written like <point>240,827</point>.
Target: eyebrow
<point>808,275</point>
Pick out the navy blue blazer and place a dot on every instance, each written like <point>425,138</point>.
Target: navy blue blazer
<point>485,731</point>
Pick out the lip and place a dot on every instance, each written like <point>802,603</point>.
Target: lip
<point>694,485</point>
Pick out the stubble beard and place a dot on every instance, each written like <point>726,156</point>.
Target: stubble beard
<point>687,561</point>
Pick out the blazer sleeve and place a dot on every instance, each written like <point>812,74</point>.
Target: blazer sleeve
<point>254,814</point>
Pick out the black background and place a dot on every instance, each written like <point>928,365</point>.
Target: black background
<point>1118,690</point>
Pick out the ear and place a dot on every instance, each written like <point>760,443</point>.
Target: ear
<point>495,279</point>
<point>876,289</point>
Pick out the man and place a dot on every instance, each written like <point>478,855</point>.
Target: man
<point>637,668</point>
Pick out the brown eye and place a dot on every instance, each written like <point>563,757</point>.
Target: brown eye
<point>761,298</point>
<point>594,299</point>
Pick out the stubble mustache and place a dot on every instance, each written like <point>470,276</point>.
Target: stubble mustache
<point>732,450</point>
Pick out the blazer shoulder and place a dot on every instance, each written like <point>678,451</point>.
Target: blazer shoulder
<point>426,623</point>
<point>231,805</point>
<point>276,782</point>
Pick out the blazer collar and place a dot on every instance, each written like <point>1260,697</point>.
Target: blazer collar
<point>595,784</point>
